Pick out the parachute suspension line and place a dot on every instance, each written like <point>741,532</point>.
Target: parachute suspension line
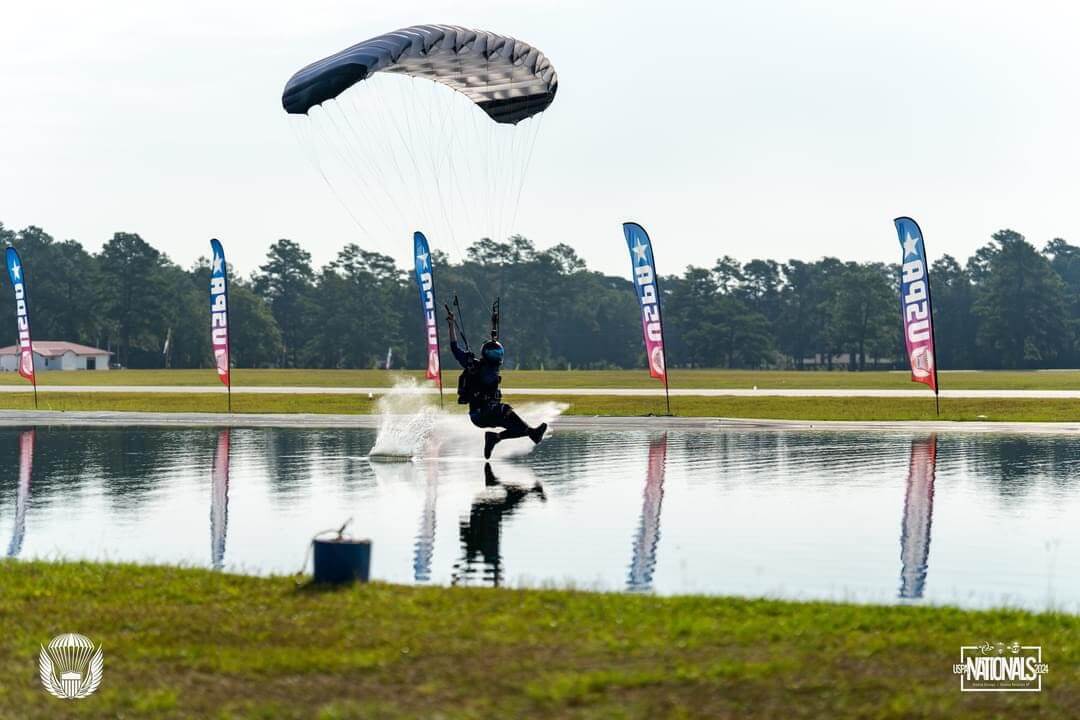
<point>436,164</point>
<point>303,125</point>
<point>382,118</point>
<point>374,155</point>
<point>408,148</point>
<point>416,116</point>
<point>444,160</point>
<point>539,118</point>
<point>513,165</point>
<point>350,163</point>
<point>473,158</point>
<point>489,171</point>
<point>349,155</point>
<point>412,188</point>
<point>505,149</point>
<point>417,188</point>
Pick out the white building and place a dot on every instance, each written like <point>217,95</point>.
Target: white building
<point>57,355</point>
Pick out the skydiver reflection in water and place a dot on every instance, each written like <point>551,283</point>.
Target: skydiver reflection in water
<point>481,532</point>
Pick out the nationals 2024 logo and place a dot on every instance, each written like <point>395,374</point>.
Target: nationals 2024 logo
<point>1001,667</point>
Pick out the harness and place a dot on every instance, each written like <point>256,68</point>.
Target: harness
<point>472,390</point>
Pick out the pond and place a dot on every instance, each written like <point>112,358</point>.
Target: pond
<point>972,520</point>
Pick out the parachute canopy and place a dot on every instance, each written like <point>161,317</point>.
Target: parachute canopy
<point>508,79</point>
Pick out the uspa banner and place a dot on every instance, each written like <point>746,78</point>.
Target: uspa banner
<point>915,307</point>
<point>648,291</point>
<point>425,283</point>
<point>22,315</point>
<point>219,311</point>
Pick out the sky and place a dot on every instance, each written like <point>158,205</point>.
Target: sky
<point>774,129</point>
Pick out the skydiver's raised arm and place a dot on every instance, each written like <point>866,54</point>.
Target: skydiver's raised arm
<point>463,357</point>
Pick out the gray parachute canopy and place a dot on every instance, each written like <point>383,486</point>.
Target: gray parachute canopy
<point>508,79</point>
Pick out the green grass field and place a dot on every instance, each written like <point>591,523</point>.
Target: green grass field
<point>779,408</point>
<point>185,643</point>
<point>1004,380</point>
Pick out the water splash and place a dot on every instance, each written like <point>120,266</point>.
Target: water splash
<point>412,425</point>
<point>406,420</point>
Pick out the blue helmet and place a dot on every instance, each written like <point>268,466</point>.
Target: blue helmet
<point>492,352</point>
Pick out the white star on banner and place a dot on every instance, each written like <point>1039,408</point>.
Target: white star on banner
<point>217,263</point>
<point>910,243</point>
<point>15,270</point>
<point>422,257</point>
<point>639,252</point>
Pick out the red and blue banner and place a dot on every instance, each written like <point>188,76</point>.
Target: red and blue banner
<point>647,285</point>
<point>425,283</point>
<point>915,306</point>
<point>17,274</point>
<point>219,311</point>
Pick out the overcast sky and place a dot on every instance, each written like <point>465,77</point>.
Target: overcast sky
<point>756,129</point>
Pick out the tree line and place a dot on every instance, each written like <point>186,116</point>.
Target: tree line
<point>1010,305</point>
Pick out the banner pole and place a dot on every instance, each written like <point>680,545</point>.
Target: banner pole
<point>933,329</point>
<point>35,381</point>
<point>663,339</point>
<point>438,337</point>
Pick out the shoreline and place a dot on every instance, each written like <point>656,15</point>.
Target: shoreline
<point>374,390</point>
<point>57,418</point>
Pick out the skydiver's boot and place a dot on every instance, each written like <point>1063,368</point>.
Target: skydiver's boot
<point>537,433</point>
<point>491,439</point>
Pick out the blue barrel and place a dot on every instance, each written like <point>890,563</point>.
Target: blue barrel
<point>342,560</point>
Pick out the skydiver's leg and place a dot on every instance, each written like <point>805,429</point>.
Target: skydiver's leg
<point>515,426</point>
<point>502,415</point>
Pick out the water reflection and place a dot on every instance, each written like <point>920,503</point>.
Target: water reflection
<point>918,516</point>
<point>800,514</point>
<point>424,549</point>
<point>22,497</point>
<point>647,539</point>
<point>219,500</point>
<point>481,532</point>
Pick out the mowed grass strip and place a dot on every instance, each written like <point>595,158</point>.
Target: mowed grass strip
<point>776,408</point>
<point>771,379</point>
<point>187,643</point>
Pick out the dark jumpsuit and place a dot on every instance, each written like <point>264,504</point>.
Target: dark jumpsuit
<point>486,408</point>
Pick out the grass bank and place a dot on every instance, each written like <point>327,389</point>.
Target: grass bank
<point>196,644</point>
<point>778,408</point>
<point>960,380</point>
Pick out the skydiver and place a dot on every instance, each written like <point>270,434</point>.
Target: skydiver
<point>478,387</point>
